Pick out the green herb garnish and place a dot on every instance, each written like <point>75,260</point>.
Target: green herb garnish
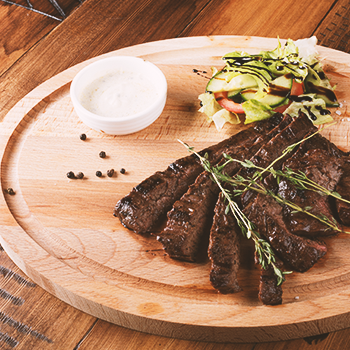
<point>240,184</point>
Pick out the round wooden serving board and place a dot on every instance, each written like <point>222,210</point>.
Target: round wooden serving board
<point>63,235</point>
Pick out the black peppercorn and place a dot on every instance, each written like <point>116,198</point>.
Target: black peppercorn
<point>102,154</point>
<point>70,175</point>
<point>98,173</point>
<point>80,175</point>
<point>122,171</point>
<point>10,191</point>
<point>83,137</point>
<point>110,172</point>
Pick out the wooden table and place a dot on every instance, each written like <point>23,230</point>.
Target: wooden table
<point>35,47</point>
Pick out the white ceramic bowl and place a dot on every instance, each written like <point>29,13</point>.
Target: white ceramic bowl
<point>120,124</point>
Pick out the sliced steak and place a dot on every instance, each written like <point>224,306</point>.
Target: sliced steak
<point>270,293</point>
<point>273,149</point>
<point>343,188</point>
<point>320,142</point>
<point>224,250</point>
<point>322,168</point>
<point>142,208</point>
<point>190,219</point>
<point>298,253</point>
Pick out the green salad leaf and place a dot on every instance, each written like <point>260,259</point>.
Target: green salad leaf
<point>257,84</point>
<point>315,109</point>
<point>215,113</point>
<point>255,111</point>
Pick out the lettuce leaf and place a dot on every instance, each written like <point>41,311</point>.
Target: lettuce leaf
<point>215,113</point>
<point>255,110</point>
<point>311,109</point>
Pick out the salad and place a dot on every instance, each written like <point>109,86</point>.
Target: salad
<point>287,79</point>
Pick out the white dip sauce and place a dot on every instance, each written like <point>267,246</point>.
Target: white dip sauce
<point>118,94</point>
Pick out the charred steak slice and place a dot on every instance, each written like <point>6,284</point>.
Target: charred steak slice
<point>320,142</point>
<point>142,208</point>
<point>293,133</point>
<point>343,188</point>
<point>322,168</point>
<point>190,219</point>
<point>270,293</point>
<point>224,250</point>
<point>298,253</point>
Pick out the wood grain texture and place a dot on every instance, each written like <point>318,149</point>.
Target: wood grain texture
<point>117,338</point>
<point>86,258</point>
<point>54,327</point>
<point>13,46</point>
<point>99,37</point>
<point>107,27</point>
<point>286,19</point>
<point>335,32</point>
<point>34,26</point>
<point>26,326</point>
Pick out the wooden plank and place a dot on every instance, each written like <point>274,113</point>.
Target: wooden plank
<point>98,27</point>
<point>57,10</point>
<point>13,42</point>
<point>22,28</point>
<point>31,318</point>
<point>286,19</point>
<point>118,338</point>
<point>334,31</point>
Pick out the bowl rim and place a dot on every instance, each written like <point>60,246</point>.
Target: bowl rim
<point>159,101</point>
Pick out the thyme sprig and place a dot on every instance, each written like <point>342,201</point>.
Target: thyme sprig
<point>298,179</point>
<point>240,184</point>
<point>263,248</point>
<point>255,185</point>
<point>291,148</point>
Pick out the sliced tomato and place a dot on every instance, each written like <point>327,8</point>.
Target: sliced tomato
<point>281,109</point>
<point>297,88</point>
<point>224,102</point>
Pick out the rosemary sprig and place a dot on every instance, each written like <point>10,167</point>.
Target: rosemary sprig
<point>263,248</point>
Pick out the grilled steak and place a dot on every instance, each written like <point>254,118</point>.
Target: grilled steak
<point>298,253</point>
<point>322,168</point>
<point>197,215</point>
<point>142,208</point>
<point>224,250</point>
<point>190,219</point>
<point>293,133</point>
<point>320,142</point>
<point>270,293</point>
<point>183,234</point>
<point>343,188</point>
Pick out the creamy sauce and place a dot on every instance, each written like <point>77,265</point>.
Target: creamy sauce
<point>118,94</point>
